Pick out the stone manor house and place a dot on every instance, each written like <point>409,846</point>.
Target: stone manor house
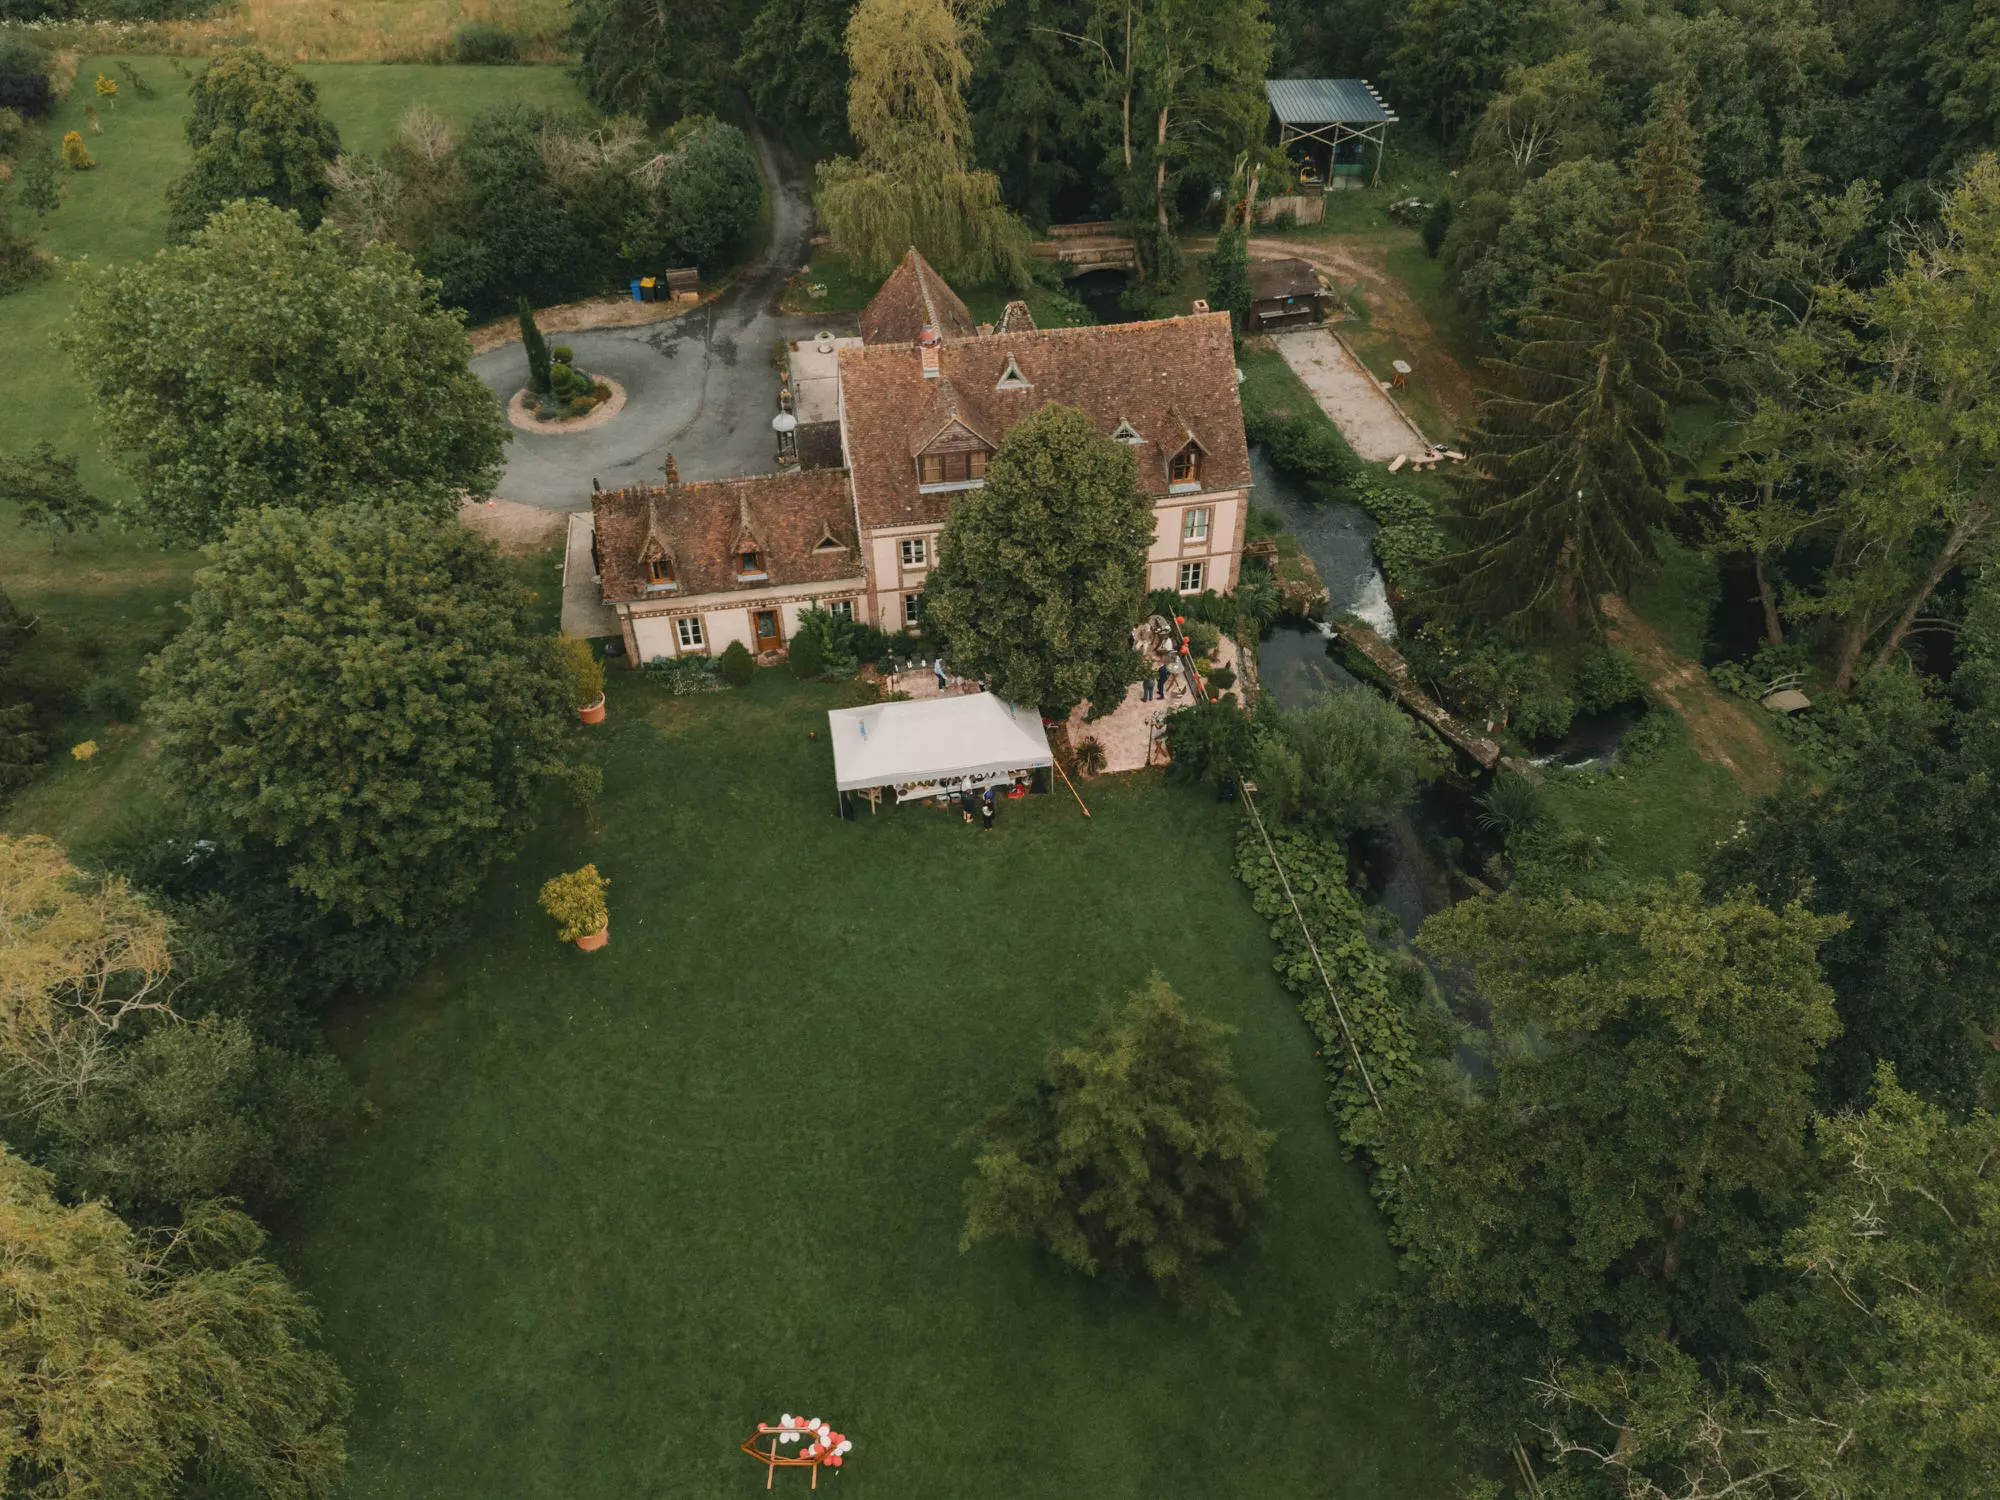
<point>904,420</point>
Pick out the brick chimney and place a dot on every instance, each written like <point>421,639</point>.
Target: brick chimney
<point>929,343</point>
<point>673,472</point>
<point>1200,306</point>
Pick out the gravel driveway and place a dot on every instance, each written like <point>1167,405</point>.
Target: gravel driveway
<point>703,387</point>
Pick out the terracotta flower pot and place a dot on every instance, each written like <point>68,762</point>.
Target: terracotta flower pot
<point>593,941</point>
<point>593,714</point>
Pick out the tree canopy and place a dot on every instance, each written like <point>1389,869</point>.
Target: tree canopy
<point>1132,1153</point>
<point>1569,469</point>
<point>264,365</point>
<point>141,1369</point>
<point>913,183</point>
<point>357,693</point>
<point>257,132</point>
<point>1042,572</point>
<point>1646,1114</point>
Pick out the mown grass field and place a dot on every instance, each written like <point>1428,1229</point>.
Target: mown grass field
<point>609,1211</point>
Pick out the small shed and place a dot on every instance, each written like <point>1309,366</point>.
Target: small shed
<point>1284,294</point>
<point>935,747</point>
<point>683,285</point>
<point>1325,126</point>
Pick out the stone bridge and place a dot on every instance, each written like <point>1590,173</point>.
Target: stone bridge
<point>1090,247</point>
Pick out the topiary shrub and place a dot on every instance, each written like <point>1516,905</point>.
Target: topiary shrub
<point>576,901</point>
<point>738,665</point>
<point>581,669</point>
<point>807,657</point>
<point>481,43</point>
<point>1222,677</point>
<point>535,347</point>
<point>562,354</point>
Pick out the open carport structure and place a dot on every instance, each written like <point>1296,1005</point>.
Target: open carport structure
<point>1333,120</point>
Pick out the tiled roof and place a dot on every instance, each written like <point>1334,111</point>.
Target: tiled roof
<point>1282,278</point>
<point>913,298</point>
<point>698,525</point>
<point>1165,378</point>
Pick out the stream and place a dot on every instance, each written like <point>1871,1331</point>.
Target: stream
<point>1403,860</point>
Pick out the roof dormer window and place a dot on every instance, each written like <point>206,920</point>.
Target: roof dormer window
<point>952,468</point>
<point>660,573</point>
<point>749,564</point>
<point>1126,433</point>
<point>1184,469</point>
<point>1011,378</point>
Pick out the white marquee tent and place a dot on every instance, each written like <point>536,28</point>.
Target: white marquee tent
<point>931,745</point>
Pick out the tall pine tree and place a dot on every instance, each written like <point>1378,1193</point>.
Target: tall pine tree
<point>1569,470</point>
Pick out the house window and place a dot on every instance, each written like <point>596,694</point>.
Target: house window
<point>750,562</point>
<point>1191,577</point>
<point>841,609</point>
<point>952,468</point>
<point>913,552</point>
<point>1194,524</point>
<point>913,609</point>
<point>660,570</point>
<point>1185,467</point>
<point>688,628</point>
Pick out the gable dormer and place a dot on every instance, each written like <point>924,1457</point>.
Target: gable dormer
<point>956,456</point>
<point>657,564</point>
<point>948,444</point>
<point>1011,378</point>
<point>1126,433</point>
<point>828,542</point>
<point>1185,456</point>
<point>749,548</point>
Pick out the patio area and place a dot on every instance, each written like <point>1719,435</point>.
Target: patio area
<point>1130,733</point>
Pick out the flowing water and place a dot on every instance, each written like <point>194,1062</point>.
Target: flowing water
<point>1340,540</point>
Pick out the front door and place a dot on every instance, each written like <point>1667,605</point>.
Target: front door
<point>769,637</point>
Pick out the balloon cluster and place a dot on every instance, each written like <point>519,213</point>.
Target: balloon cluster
<point>822,1442</point>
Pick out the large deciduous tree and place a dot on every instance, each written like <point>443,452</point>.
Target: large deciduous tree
<point>1871,1368</point>
<point>1644,1119</point>
<point>257,132</point>
<point>1134,1152</point>
<point>262,365</point>
<point>153,1370</point>
<point>1042,573</point>
<point>1180,87</point>
<point>794,64</point>
<point>357,693</point>
<point>913,183</point>
<point>1902,836</point>
<point>1568,477</point>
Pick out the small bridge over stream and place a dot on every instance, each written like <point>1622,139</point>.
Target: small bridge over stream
<point>1089,247</point>
<point>1385,656</point>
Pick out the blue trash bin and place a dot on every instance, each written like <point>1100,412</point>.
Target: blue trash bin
<point>636,296</point>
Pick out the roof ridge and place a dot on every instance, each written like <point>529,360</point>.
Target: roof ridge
<point>1079,329</point>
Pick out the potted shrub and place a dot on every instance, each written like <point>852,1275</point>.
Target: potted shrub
<point>576,901</point>
<point>584,674</point>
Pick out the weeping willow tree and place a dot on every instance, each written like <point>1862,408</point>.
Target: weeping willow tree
<point>912,183</point>
<point>1569,472</point>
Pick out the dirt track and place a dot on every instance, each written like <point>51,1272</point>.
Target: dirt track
<point>1723,732</point>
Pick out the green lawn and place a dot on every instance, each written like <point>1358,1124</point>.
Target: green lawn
<point>611,1210</point>
<point>1656,819</point>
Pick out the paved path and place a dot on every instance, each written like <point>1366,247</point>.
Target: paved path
<point>703,387</point>
<point>1367,418</point>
